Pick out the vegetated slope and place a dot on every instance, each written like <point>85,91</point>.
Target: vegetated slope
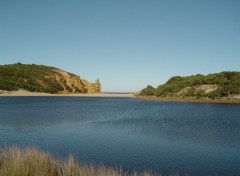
<point>218,85</point>
<point>40,78</point>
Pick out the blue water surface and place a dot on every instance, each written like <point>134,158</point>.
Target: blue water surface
<point>131,134</point>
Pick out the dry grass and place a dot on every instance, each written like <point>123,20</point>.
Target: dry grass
<point>33,162</point>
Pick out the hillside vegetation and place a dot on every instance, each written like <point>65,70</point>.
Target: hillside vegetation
<point>214,86</point>
<point>40,78</point>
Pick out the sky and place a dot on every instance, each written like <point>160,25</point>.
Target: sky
<point>127,44</point>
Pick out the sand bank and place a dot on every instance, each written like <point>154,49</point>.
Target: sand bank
<point>27,93</point>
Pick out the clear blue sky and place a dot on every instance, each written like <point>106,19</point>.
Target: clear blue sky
<point>127,44</point>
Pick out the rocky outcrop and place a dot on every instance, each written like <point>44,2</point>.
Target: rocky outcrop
<point>74,84</point>
<point>92,87</point>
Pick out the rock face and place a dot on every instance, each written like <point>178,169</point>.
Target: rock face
<point>39,78</point>
<point>74,84</point>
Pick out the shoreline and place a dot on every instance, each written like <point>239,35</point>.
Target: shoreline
<point>23,93</point>
<point>190,100</point>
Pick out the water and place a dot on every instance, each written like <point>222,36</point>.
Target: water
<point>166,137</point>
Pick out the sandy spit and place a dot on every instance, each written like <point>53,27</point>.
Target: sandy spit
<point>27,93</point>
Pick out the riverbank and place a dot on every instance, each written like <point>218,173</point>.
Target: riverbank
<point>190,100</point>
<point>31,161</point>
<point>27,93</point>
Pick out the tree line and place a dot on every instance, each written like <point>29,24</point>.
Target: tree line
<point>224,84</point>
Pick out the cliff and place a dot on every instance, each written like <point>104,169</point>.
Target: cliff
<point>40,78</point>
<point>218,85</point>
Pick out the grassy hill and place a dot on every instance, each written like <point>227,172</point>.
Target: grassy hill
<point>218,85</point>
<point>40,78</point>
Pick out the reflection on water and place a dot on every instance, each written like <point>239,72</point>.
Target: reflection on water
<point>198,139</point>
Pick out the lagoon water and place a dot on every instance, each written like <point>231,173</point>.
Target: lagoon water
<point>132,134</point>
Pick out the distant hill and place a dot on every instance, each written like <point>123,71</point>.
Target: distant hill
<point>218,85</point>
<point>40,78</point>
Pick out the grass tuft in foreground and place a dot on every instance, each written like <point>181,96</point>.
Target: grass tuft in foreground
<point>33,162</point>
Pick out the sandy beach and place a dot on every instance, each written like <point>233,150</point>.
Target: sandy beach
<point>27,93</point>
